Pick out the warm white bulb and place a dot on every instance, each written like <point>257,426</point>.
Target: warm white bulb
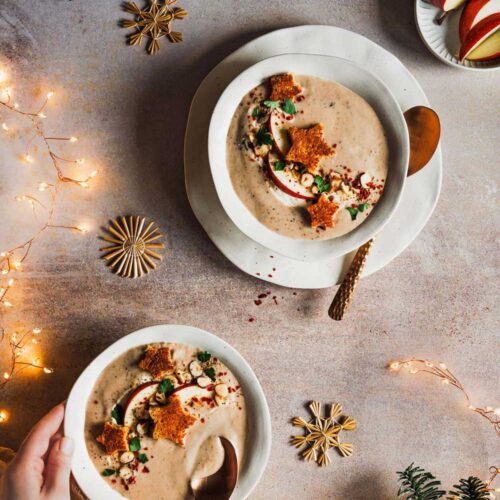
<point>5,126</point>
<point>48,370</point>
<point>6,376</point>
<point>28,158</point>
<point>84,184</point>
<point>42,186</point>
<point>3,75</point>
<point>50,95</point>
<point>4,416</point>
<point>42,115</point>
<point>93,174</point>
<point>36,331</point>
<point>73,139</point>
<point>496,411</point>
<point>6,303</point>
<point>445,381</point>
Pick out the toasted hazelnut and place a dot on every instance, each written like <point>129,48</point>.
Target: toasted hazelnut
<point>221,390</point>
<point>262,150</point>
<point>345,188</point>
<point>203,381</point>
<point>180,376</point>
<point>141,412</point>
<point>220,401</point>
<point>195,369</point>
<point>127,457</point>
<point>125,473</point>
<point>307,180</point>
<point>314,190</point>
<point>160,397</point>
<point>364,179</point>
<point>142,429</point>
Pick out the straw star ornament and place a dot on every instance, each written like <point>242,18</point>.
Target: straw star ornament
<point>134,243</point>
<point>153,22</point>
<point>323,433</point>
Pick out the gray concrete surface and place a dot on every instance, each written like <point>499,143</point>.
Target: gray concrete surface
<point>437,300</point>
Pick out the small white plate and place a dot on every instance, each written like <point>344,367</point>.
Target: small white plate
<point>421,190</point>
<point>351,76</point>
<point>259,419</point>
<point>443,40</point>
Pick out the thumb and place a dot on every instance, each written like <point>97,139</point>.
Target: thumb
<point>58,468</point>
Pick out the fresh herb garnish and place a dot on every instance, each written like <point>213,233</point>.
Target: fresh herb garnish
<point>210,372</point>
<point>203,356</point>
<point>363,207</point>
<point>279,165</point>
<point>288,107</point>
<point>264,137</point>
<point>321,184</point>
<point>166,387</point>
<point>257,113</point>
<point>135,444</point>
<point>272,104</point>
<point>117,414</point>
<point>353,211</point>
<point>109,472</point>
<point>142,457</point>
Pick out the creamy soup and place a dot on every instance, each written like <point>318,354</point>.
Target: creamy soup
<point>352,178</point>
<point>124,398</point>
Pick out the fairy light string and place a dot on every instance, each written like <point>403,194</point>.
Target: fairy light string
<point>12,259</point>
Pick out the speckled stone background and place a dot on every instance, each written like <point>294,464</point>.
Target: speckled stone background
<point>437,300</point>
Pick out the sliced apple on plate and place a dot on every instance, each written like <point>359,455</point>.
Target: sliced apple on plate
<point>447,5</point>
<point>285,180</point>
<point>280,135</point>
<point>474,12</point>
<point>482,42</point>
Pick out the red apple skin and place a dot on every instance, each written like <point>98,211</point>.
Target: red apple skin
<point>135,392</point>
<point>276,140</point>
<point>471,10</point>
<point>442,4</point>
<point>283,187</point>
<point>480,31</point>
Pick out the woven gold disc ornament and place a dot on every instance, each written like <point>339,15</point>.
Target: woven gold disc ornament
<point>323,433</point>
<point>134,246</point>
<point>153,22</point>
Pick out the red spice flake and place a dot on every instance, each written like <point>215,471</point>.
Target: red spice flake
<point>272,256</point>
<point>274,269</point>
<point>269,275</point>
<point>275,300</point>
<point>251,94</point>
<point>113,481</point>
<point>238,387</point>
<point>300,98</point>
<point>251,320</point>
<point>289,117</point>
<point>257,274</point>
<point>294,293</point>
<point>206,400</point>
<point>202,420</point>
<point>210,387</point>
<point>96,402</point>
<point>145,469</point>
<point>262,296</point>
<point>301,111</point>
<point>257,302</point>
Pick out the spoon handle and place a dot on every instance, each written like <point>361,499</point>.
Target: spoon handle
<point>345,292</point>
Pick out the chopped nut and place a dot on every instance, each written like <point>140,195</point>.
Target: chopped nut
<point>125,473</point>
<point>203,381</point>
<point>195,369</point>
<point>126,457</point>
<point>315,190</point>
<point>219,400</point>
<point>180,376</point>
<point>364,179</point>
<point>160,397</point>
<point>142,429</point>
<point>262,150</point>
<point>221,390</point>
<point>307,180</point>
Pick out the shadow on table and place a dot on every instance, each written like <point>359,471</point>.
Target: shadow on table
<point>366,486</point>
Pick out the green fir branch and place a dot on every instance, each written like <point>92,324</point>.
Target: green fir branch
<point>470,489</point>
<point>417,484</point>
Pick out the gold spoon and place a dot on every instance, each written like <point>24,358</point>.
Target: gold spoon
<point>220,485</point>
<point>424,130</point>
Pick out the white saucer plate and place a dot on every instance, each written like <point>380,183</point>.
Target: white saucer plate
<point>443,40</point>
<point>259,419</point>
<point>421,190</point>
<point>355,78</point>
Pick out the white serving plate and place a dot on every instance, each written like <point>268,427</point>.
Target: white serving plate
<point>421,190</point>
<point>443,40</point>
<point>259,421</point>
<point>351,76</point>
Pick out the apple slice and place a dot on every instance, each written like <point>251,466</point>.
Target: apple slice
<point>474,12</point>
<point>488,50</point>
<point>138,398</point>
<point>286,181</point>
<point>279,133</point>
<point>447,5</point>
<point>478,34</point>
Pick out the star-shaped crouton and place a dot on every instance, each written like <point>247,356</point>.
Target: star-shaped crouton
<point>322,212</point>
<point>157,361</point>
<point>171,421</point>
<point>308,146</point>
<point>284,87</point>
<point>114,438</point>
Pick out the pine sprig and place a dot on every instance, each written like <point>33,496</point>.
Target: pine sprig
<point>417,484</point>
<point>470,489</point>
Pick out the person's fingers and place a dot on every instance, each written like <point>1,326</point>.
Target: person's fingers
<point>58,468</point>
<point>38,440</point>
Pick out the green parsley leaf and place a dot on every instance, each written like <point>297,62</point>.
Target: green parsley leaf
<point>142,457</point>
<point>117,414</point>
<point>279,165</point>
<point>353,211</point>
<point>272,104</point>
<point>321,183</point>
<point>135,444</point>
<point>257,113</point>
<point>363,207</point>
<point>264,137</point>
<point>210,372</point>
<point>166,387</point>
<point>288,107</point>
<point>203,356</point>
<point>109,472</point>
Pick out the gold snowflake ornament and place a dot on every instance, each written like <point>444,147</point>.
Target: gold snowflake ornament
<point>153,22</point>
<point>134,243</point>
<point>323,433</point>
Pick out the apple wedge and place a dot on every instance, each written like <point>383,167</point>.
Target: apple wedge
<point>474,12</point>
<point>137,399</point>
<point>285,181</point>
<point>447,5</point>
<point>478,35</point>
<point>281,143</point>
<point>488,50</point>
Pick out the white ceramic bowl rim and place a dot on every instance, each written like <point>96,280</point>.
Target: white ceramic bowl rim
<point>258,445</point>
<point>352,76</point>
